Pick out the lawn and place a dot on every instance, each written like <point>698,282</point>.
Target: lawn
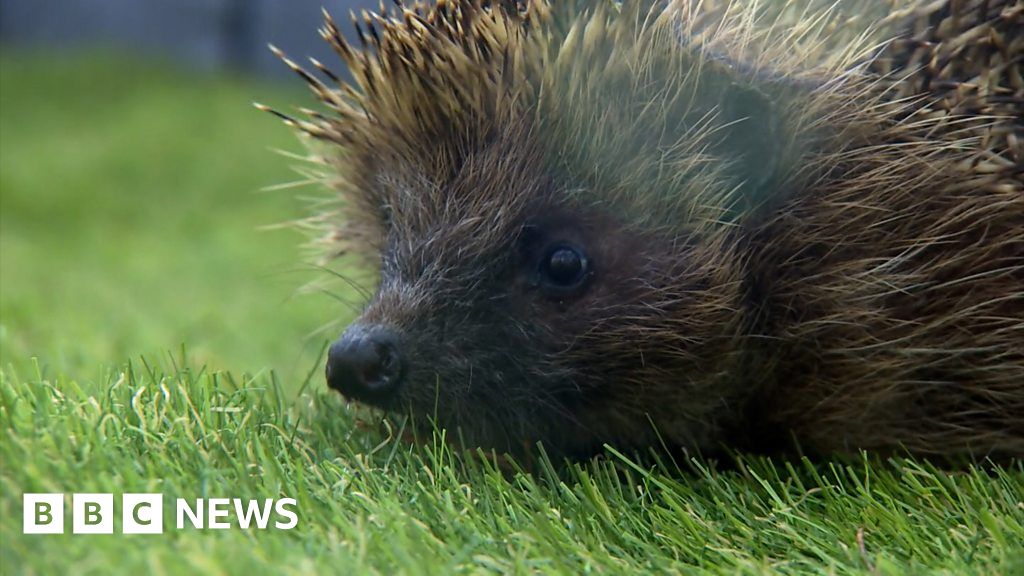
<point>153,340</point>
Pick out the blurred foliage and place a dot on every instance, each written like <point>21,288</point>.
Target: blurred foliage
<point>130,218</point>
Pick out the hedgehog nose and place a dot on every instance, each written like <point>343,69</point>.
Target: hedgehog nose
<point>366,364</point>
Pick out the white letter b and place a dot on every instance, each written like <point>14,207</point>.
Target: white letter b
<point>42,514</point>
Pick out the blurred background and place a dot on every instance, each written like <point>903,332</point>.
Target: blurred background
<point>132,222</point>
<point>203,34</point>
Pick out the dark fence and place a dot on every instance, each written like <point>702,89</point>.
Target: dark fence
<point>207,34</point>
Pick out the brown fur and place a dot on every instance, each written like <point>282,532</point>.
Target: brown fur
<point>795,230</point>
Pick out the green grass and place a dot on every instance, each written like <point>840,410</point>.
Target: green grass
<point>151,343</point>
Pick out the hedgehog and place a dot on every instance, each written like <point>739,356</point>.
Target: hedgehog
<point>679,223</point>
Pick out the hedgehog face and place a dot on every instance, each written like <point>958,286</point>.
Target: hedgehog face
<point>558,257</point>
<point>477,311</point>
<point>532,315</point>
<point>468,341</point>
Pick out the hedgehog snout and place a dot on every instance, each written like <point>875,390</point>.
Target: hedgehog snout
<point>366,364</point>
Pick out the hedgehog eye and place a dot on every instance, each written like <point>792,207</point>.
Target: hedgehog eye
<point>564,267</point>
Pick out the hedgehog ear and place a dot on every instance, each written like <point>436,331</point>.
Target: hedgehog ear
<point>751,135</point>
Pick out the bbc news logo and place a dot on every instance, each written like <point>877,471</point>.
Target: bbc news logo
<point>144,513</point>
